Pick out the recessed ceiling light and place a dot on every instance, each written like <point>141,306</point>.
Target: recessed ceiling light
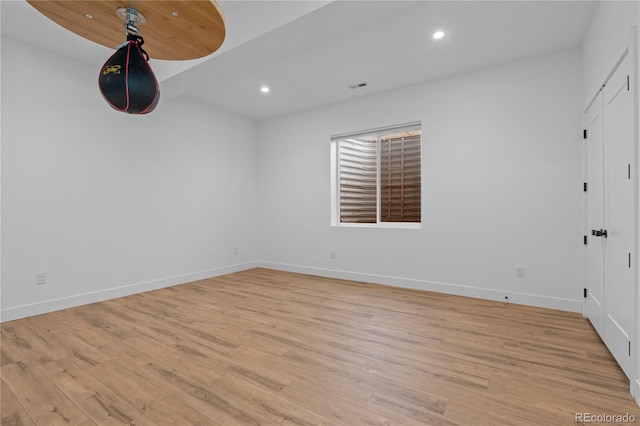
<point>89,16</point>
<point>264,89</point>
<point>438,35</point>
<point>174,13</point>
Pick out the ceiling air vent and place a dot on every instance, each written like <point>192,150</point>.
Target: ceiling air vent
<point>358,86</point>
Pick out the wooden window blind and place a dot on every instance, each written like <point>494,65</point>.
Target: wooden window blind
<point>379,175</point>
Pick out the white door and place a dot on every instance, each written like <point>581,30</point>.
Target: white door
<point>594,305</point>
<point>611,215</point>
<point>619,294</point>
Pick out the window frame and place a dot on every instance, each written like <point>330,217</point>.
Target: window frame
<point>335,177</point>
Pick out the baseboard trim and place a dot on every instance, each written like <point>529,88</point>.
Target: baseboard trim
<point>569,305</point>
<point>24,311</point>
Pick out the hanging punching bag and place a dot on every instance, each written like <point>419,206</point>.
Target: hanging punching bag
<point>126,80</point>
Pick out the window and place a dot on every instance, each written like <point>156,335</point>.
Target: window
<point>377,176</point>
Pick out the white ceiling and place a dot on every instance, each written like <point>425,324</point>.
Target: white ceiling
<point>310,52</point>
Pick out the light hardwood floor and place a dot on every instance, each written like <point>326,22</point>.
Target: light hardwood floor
<point>267,347</point>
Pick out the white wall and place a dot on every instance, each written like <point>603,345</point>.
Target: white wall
<point>501,187</point>
<point>607,38</point>
<point>109,204</point>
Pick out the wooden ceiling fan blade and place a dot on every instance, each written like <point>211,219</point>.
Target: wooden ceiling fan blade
<point>168,24</point>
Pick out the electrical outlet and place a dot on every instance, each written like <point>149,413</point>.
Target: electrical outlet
<point>520,271</point>
<point>41,278</point>
<point>333,254</point>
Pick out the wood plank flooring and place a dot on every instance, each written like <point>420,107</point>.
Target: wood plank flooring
<point>262,347</point>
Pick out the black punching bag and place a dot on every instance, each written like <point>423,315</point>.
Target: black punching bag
<point>126,80</point>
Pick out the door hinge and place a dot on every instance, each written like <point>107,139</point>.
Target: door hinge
<point>629,347</point>
<point>629,171</point>
<point>585,293</point>
<point>585,240</point>
<point>584,186</point>
<point>600,233</point>
<point>628,86</point>
<point>584,134</point>
<point>629,260</point>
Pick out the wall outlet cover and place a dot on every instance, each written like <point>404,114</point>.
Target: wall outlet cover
<point>41,278</point>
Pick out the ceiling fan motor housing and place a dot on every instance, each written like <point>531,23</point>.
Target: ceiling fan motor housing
<point>126,80</point>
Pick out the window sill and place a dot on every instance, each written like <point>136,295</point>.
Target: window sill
<point>386,225</point>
